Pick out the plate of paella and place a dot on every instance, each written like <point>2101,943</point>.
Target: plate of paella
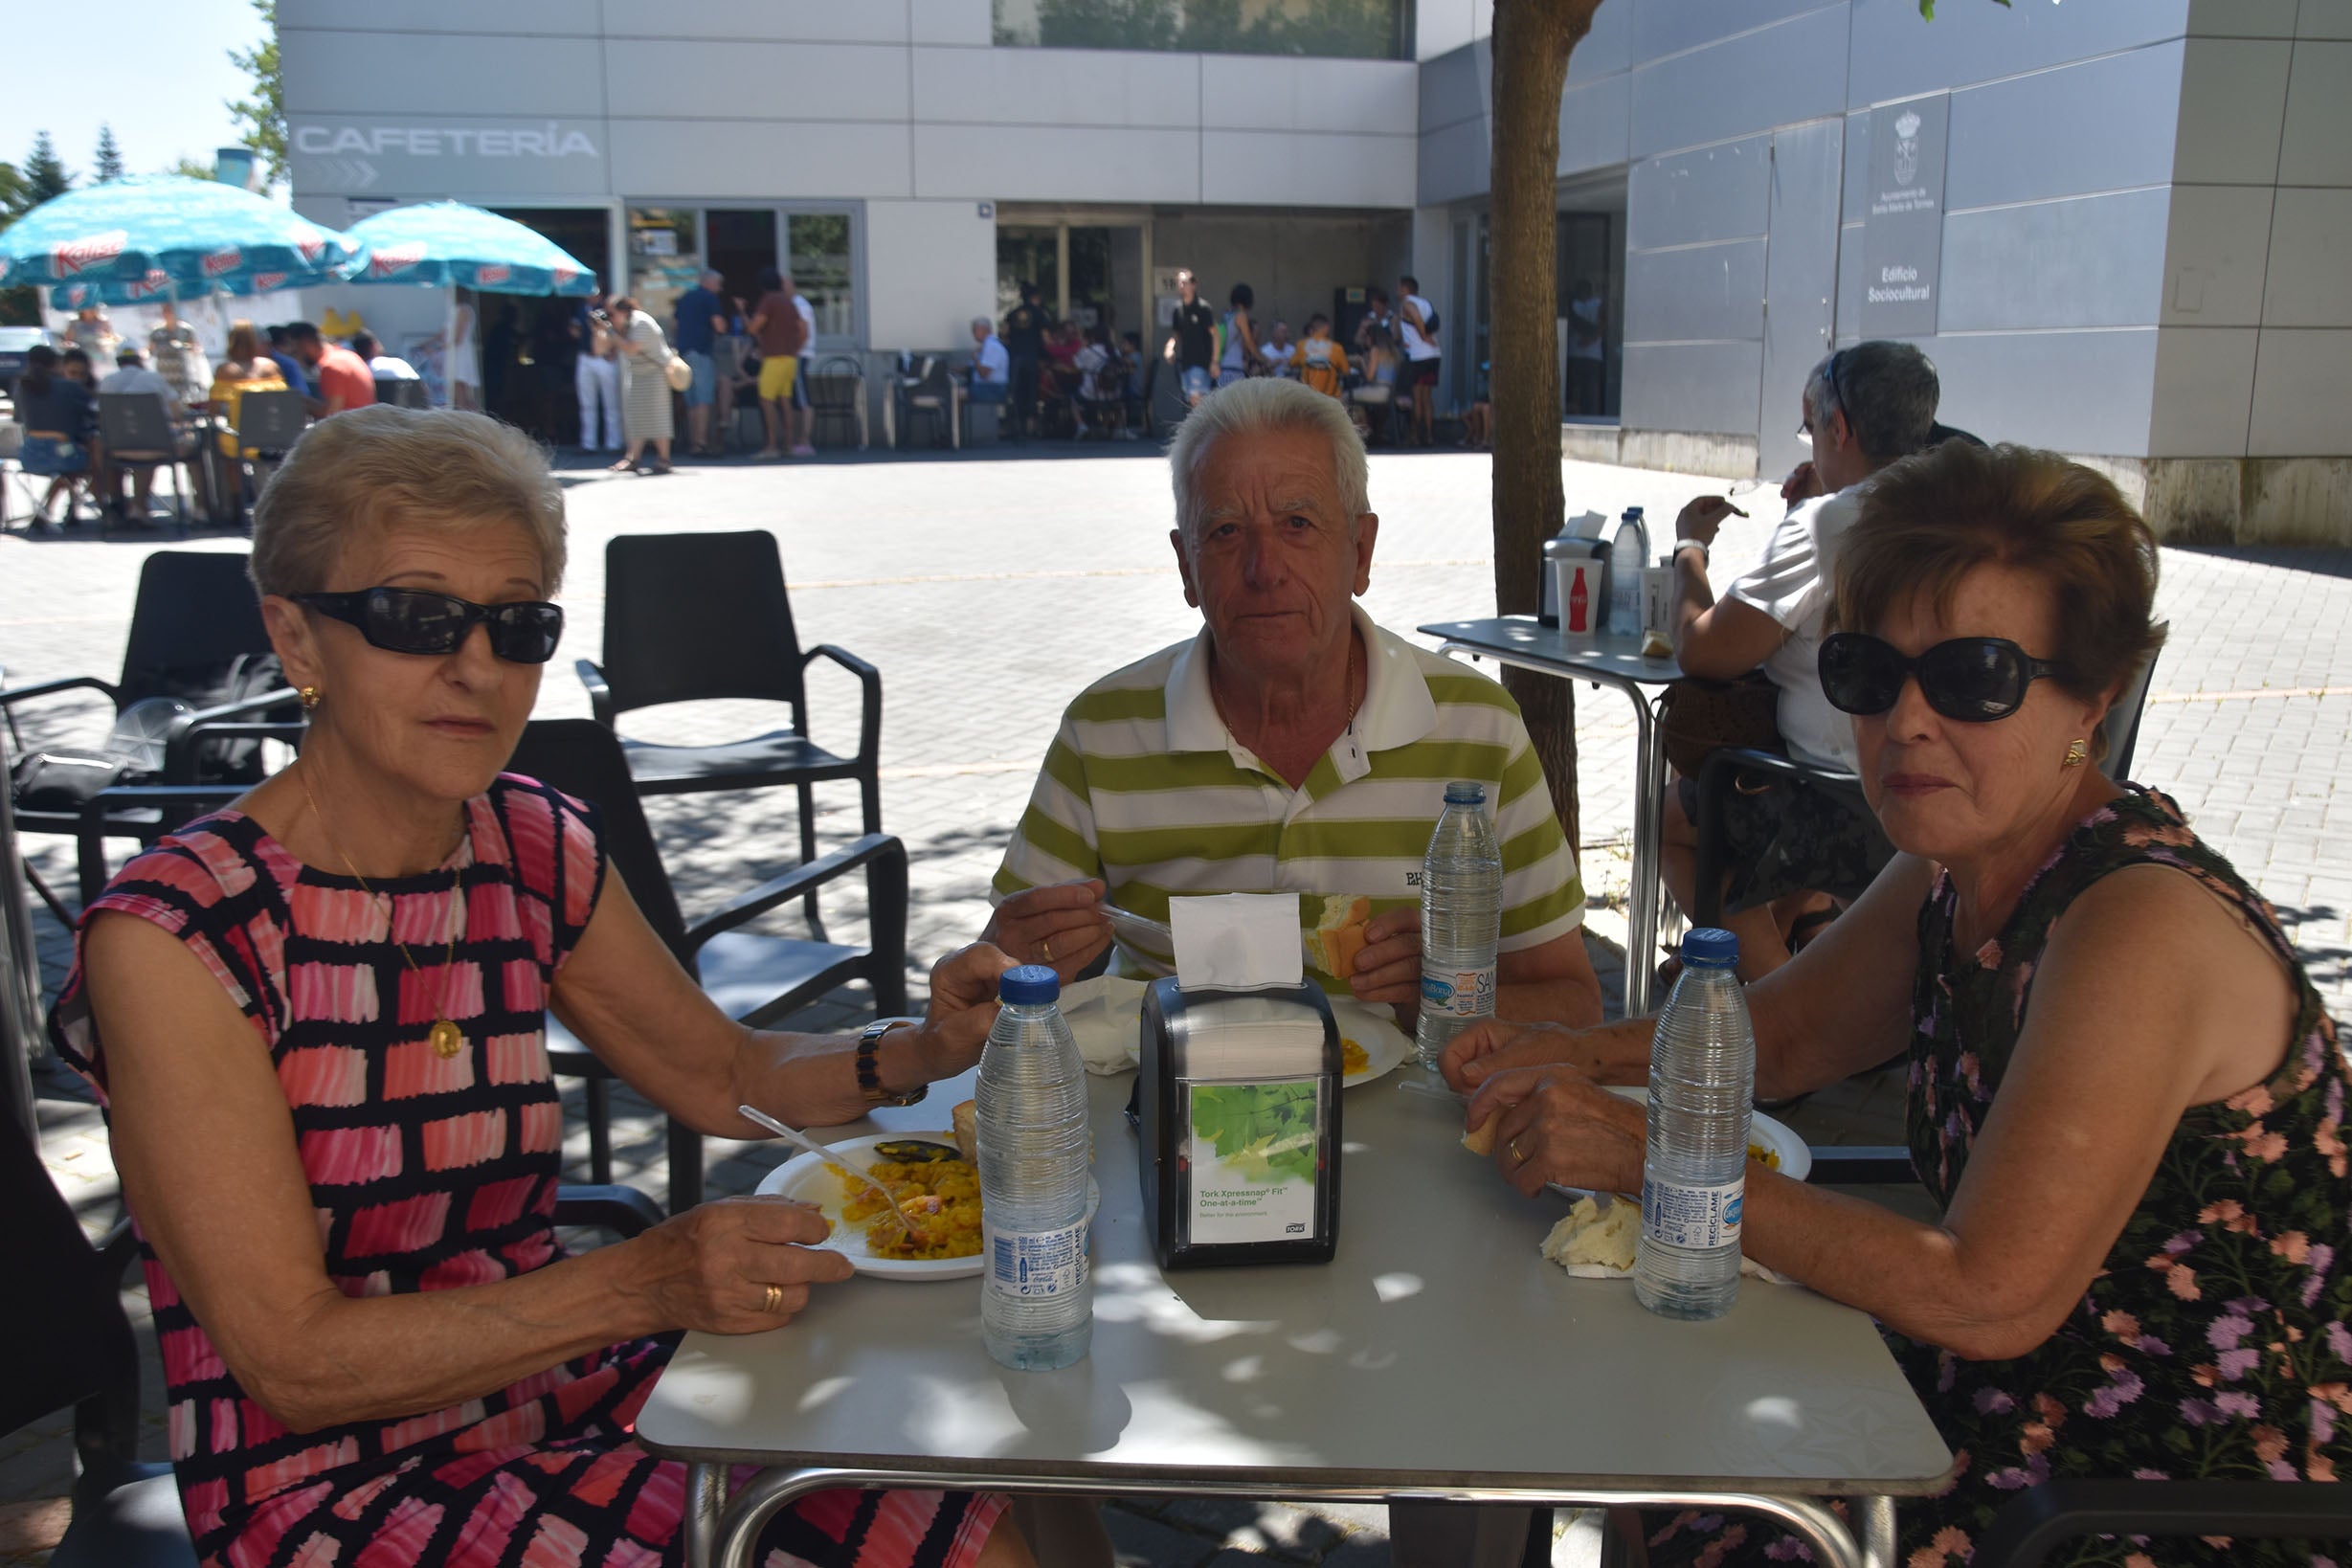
<point>937,1189</point>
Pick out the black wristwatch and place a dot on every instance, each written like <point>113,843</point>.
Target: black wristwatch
<point>869,1075</point>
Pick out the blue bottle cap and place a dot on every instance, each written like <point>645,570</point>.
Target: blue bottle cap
<point>1466,791</point>
<point>1709,945</point>
<point>1031,983</point>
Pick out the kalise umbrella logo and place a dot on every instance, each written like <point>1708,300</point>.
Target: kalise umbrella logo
<point>81,255</point>
<point>394,258</point>
<point>490,274</point>
<point>221,263</point>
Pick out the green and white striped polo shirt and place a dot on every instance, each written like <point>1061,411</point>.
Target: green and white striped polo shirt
<point>1144,787</point>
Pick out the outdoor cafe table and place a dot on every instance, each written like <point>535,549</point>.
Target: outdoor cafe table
<point>1437,1356</point>
<point>1611,661</point>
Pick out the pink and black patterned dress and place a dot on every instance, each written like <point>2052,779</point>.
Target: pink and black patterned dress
<point>429,1174</point>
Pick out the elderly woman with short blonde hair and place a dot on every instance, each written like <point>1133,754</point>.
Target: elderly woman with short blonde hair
<point>2127,1099</point>
<point>316,1018</point>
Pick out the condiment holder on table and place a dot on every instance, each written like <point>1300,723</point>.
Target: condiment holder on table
<point>1236,1097</point>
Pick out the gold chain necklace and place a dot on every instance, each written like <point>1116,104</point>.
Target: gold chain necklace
<point>446,1037</point>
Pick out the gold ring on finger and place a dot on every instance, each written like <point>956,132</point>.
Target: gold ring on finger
<point>1517,1158</point>
<point>1046,946</point>
<point>773,1301</point>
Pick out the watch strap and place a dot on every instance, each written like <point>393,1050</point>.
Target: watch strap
<point>869,1072</point>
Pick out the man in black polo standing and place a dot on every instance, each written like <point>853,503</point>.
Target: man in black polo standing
<point>1025,340</point>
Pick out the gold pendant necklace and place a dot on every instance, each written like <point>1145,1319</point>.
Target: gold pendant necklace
<point>445,1037</point>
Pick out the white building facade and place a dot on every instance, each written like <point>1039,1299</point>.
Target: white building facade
<point>2117,226</point>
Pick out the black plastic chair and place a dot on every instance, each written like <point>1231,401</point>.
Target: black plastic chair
<point>195,621</point>
<point>1725,767</point>
<point>693,617</point>
<point>401,391</point>
<point>837,403</point>
<point>139,432</point>
<point>271,422</point>
<point>753,978</point>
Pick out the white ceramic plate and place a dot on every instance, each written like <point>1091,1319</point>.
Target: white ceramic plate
<point>1796,1158</point>
<point>1386,1044</point>
<point>809,1178</point>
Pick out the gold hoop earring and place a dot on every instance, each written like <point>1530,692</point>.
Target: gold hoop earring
<point>310,698</point>
<point>2078,753</point>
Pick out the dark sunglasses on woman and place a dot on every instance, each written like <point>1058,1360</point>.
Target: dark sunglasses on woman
<point>411,621</point>
<point>1974,680</point>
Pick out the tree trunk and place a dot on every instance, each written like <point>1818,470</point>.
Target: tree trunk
<point>1533,40</point>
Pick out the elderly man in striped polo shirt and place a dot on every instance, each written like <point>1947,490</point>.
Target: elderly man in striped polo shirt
<point>1292,745</point>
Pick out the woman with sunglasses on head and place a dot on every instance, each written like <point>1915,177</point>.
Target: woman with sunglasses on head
<point>2125,1096</point>
<point>316,1018</point>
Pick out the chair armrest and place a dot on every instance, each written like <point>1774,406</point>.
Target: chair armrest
<point>183,740</point>
<point>1856,1165</point>
<point>623,1211</point>
<point>1715,786</point>
<point>800,879</point>
<point>599,694</point>
<point>10,696</point>
<point>869,721</point>
<point>2039,1518</point>
<point>90,838</point>
<point>1748,759</point>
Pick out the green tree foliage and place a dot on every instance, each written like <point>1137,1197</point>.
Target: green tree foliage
<point>45,177</point>
<point>19,306</point>
<point>262,117</point>
<point>189,169</point>
<point>110,156</point>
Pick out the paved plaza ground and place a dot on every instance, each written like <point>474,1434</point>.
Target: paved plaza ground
<point>989,590</point>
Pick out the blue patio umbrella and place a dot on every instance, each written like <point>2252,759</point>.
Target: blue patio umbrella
<point>190,232</point>
<point>158,285</point>
<point>447,243</point>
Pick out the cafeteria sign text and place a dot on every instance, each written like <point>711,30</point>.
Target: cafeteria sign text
<point>438,140</point>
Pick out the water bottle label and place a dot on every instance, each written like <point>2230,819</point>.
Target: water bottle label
<point>1697,1218</point>
<point>1461,993</point>
<point>1034,1266</point>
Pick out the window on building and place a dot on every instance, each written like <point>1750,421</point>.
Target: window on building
<point>823,270</point>
<point>666,255</point>
<point>1326,29</point>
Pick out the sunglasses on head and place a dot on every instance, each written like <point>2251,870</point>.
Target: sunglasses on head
<point>1837,398</point>
<point>411,621</point>
<point>1974,680</point>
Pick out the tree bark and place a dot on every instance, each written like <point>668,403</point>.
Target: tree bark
<point>1533,40</point>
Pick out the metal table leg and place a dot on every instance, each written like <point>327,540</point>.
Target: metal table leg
<point>749,1511</point>
<point>705,1499</point>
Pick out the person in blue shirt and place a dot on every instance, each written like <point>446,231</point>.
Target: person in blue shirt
<point>282,356</point>
<point>701,317</point>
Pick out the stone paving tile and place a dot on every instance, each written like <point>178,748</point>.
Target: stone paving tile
<point>988,592</point>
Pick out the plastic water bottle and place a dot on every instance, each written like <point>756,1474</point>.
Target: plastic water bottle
<point>1702,1083</point>
<point>1461,921</point>
<point>1037,1306</point>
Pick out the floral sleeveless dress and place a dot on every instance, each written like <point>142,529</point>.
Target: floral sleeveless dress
<point>429,1174</point>
<point>2212,1346</point>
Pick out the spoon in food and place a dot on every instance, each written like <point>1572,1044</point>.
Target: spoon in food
<point>795,1135</point>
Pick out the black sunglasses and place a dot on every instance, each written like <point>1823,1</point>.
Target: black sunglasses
<point>1974,680</point>
<point>410,620</point>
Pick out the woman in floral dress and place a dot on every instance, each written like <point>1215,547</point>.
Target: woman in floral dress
<point>2125,1094</point>
<point>317,1022</point>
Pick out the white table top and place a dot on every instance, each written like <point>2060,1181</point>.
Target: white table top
<point>1523,639</point>
<point>1437,1350</point>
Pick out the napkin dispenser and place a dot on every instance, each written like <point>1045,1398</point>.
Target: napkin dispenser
<point>1237,1111</point>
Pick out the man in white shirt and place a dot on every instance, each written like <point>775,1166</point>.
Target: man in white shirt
<point>992,367</point>
<point>802,412</point>
<point>1417,323</point>
<point>133,379</point>
<point>1863,407</point>
<point>386,367</point>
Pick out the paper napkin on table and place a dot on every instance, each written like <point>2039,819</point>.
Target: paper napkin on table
<point>1236,941</point>
<point>1106,1015</point>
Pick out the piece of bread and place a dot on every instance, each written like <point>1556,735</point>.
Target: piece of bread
<point>1339,935</point>
<point>1481,1141</point>
<point>967,1119</point>
<point>1590,1234</point>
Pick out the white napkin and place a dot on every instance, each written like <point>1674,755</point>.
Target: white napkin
<point>1236,941</point>
<point>1551,1246</point>
<point>1106,1015</point>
